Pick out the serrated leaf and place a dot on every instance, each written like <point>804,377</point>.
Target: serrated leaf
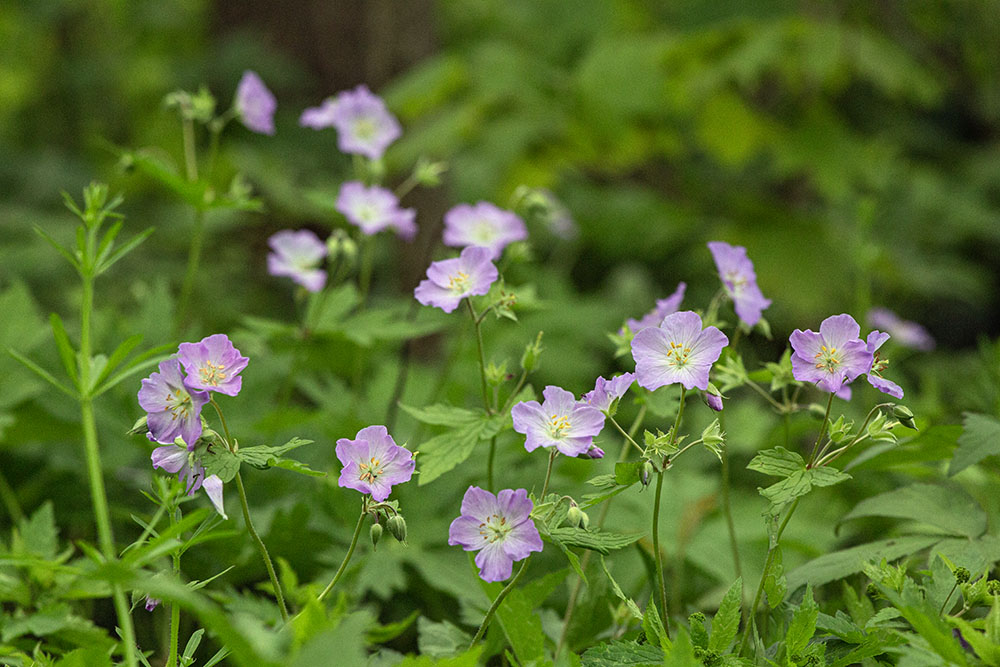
<point>629,603</point>
<point>839,564</point>
<point>440,639</point>
<point>594,539</point>
<point>620,653</point>
<point>777,462</point>
<point>775,585</point>
<point>441,414</point>
<point>803,624</point>
<point>629,473</point>
<point>445,451</point>
<point>221,462</point>
<point>726,622</point>
<point>949,508</point>
<point>980,438</point>
<point>263,457</point>
<point>652,625</point>
<point>39,534</point>
<point>801,482</point>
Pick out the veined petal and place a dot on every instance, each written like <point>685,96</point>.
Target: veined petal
<point>837,330</point>
<point>213,489</point>
<point>493,563</point>
<point>885,386</point>
<point>479,504</point>
<point>514,504</point>
<point>169,457</point>
<point>558,401</point>
<point>522,540</point>
<point>466,531</point>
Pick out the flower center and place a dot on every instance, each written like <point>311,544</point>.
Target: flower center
<point>677,355</point>
<point>459,282</point>
<point>484,233</point>
<point>495,528</point>
<point>737,281</point>
<point>827,359</point>
<point>179,404</point>
<point>370,471</point>
<point>558,425</point>
<point>211,374</point>
<point>364,128</point>
<point>367,213</point>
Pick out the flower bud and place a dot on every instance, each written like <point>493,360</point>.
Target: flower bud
<point>341,246</point>
<point>151,603</point>
<point>962,575</point>
<point>397,526</point>
<point>647,472</point>
<point>594,452</point>
<point>429,173</point>
<point>714,401</point>
<point>532,352</point>
<point>575,516</point>
<point>905,416</point>
<point>584,520</point>
<point>375,534</point>
<point>139,426</point>
<point>993,587</point>
<point>495,375</point>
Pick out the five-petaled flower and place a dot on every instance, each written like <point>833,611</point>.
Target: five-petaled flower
<point>663,307</point>
<point>174,408</point>
<point>364,124</point>
<point>678,350</point>
<point>560,421</point>
<point>483,224</point>
<point>373,462</point>
<point>498,527</point>
<point>255,104</point>
<point>833,357</point>
<point>451,280</point>
<point>213,364</point>
<point>740,280</point>
<point>297,255</point>
<point>373,209</point>
<point>184,462</point>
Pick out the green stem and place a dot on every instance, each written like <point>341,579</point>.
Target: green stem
<point>175,609</point>
<point>365,271</point>
<point>261,548</point>
<point>482,356</point>
<point>548,474</point>
<point>10,500</point>
<point>822,431</point>
<point>727,508</point>
<point>629,440</point>
<point>190,155</point>
<point>347,558</point>
<point>489,464</point>
<point>194,258</point>
<point>767,569</point>
<point>496,603</point>
<point>656,519</point>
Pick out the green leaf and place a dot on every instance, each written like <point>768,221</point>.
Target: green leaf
<point>777,462</point>
<point>445,451</point>
<point>380,634</point>
<point>839,564</point>
<point>652,625</point>
<point>66,351</point>
<point>629,603</point>
<point>442,414</point>
<point>118,356</point>
<point>39,534</point>
<point>94,656</point>
<point>726,622</point>
<point>265,456</point>
<point>827,476</point>
<point>946,507</point>
<point>620,653</point>
<point>803,624</point>
<point>980,438</point>
<point>522,627</point>
<point>627,474</point>
<point>74,262</point>
<point>440,639</point>
<point>593,539</point>
<point>775,584</point>
<point>222,462</point>
<point>42,373</point>
<point>801,482</point>
<point>123,250</point>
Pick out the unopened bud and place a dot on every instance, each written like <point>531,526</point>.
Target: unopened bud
<point>341,246</point>
<point>575,516</point>
<point>962,575</point>
<point>905,416</point>
<point>397,526</point>
<point>428,173</point>
<point>532,352</point>
<point>993,587</point>
<point>714,401</point>
<point>495,375</point>
<point>584,520</point>
<point>594,452</point>
<point>140,426</point>
<point>375,534</point>
<point>647,472</point>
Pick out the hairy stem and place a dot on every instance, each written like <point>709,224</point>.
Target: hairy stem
<point>261,548</point>
<point>822,431</point>
<point>496,604</point>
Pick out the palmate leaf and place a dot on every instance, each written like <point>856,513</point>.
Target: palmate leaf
<point>980,438</point>
<point>620,653</point>
<point>777,462</point>
<point>948,508</point>
<point>593,539</point>
<point>445,451</point>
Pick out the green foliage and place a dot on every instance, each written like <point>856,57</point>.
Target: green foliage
<point>980,438</point>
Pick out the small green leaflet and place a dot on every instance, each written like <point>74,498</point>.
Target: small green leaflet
<point>224,463</point>
<point>798,480</point>
<point>726,623</point>
<point>445,451</point>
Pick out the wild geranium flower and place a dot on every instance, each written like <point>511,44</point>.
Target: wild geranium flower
<point>364,124</point>
<point>451,280</point>
<point>833,357</point>
<point>663,308</point>
<point>606,392</point>
<point>740,280</point>
<point>678,350</point>
<point>875,379</point>
<point>255,104</point>
<point>297,255</point>
<point>373,462</point>
<point>498,527</point>
<point>560,421</point>
<point>483,224</point>
<point>213,364</point>
<point>184,462</point>
<point>174,409</point>
<point>907,333</point>
<point>373,209</point>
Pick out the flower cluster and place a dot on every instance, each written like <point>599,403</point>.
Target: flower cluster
<point>499,527</point>
<point>173,401</point>
<point>372,209</point>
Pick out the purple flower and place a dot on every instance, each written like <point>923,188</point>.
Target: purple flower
<point>714,401</point>
<point>663,308</point>
<point>483,225</point>
<point>364,125</point>
<point>255,104</point>
<point>560,421</point>
<point>374,209</point>
<point>297,255</point>
<point>373,462</point>
<point>180,460</point>
<point>451,280</point>
<point>594,452</point>
<point>907,333</point>
<point>832,357</point>
<point>606,392</point>
<point>875,379</point>
<point>498,527</point>
<point>213,365</point>
<point>152,603</point>
<point>738,277</point>
<point>677,351</point>
<point>173,408</point>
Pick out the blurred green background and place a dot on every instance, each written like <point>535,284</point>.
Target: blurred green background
<point>852,147</point>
